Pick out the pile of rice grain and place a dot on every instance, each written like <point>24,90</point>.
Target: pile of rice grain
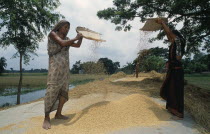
<point>157,76</point>
<point>153,73</point>
<point>102,117</point>
<point>118,75</point>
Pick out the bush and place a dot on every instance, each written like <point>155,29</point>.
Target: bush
<point>187,71</point>
<point>153,63</point>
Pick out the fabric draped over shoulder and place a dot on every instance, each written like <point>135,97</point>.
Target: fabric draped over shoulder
<point>172,89</point>
<point>178,47</point>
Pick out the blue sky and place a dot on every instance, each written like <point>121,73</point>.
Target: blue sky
<point>119,46</point>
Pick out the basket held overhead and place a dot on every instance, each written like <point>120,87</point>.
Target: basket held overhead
<point>151,24</point>
<point>89,34</point>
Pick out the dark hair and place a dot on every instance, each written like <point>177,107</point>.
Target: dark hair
<point>182,40</point>
<point>59,25</point>
<point>63,25</point>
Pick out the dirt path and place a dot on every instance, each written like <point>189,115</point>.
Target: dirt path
<point>101,107</point>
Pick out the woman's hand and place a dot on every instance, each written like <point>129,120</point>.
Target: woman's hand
<point>179,58</point>
<point>159,20</point>
<point>79,36</point>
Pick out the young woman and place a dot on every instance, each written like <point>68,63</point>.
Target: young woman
<point>172,89</point>
<point>58,73</point>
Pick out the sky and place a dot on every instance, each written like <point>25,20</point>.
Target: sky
<point>120,46</point>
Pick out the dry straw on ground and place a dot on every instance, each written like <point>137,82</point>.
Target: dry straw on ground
<point>118,75</point>
<point>198,104</point>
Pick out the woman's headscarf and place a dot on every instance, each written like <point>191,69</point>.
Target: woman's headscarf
<point>59,25</point>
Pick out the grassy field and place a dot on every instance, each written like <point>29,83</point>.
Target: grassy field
<point>37,81</point>
<point>24,74</point>
<point>199,80</point>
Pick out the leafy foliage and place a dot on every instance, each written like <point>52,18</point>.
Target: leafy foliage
<point>3,65</point>
<point>76,67</point>
<point>110,66</point>
<point>93,68</point>
<point>151,59</point>
<point>153,63</point>
<point>102,66</point>
<point>160,52</point>
<point>199,63</point>
<point>129,68</point>
<point>24,24</point>
<point>192,15</point>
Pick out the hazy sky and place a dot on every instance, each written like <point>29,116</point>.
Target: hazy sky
<point>119,46</point>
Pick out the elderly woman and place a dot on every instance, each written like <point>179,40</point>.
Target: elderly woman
<point>172,89</point>
<point>58,74</point>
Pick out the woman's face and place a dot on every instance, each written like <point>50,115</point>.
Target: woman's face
<point>64,29</point>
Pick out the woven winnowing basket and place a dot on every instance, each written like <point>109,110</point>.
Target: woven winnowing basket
<point>89,34</point>
<point>151,24</point>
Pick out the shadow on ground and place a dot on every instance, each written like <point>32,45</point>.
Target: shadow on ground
<point>72,119</point>
<point>148,86</point>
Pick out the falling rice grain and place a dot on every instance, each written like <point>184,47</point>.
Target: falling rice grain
<point>93,47</point>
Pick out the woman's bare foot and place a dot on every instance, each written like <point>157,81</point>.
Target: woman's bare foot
<point>176,118</point>
<point>176,113</point>
<point>60,116</point>
<point>46,124</point>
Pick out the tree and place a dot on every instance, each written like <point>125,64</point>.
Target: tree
<point>93,68</point>
<point>187,65</point>
<point>199,67</point>
<point>76,67</point>
<point>159,52</point>
<point>3,65</point>
<point>142,55</point>
<point>109,65</point>
<point>199,63</point>
<point>151,59</point>
<point>116,66</point>
<point>193,15</point>
<point>128,69</point>
<point>206,59</point>
<point>153,63</point>
<point>26,22</point>
<point>198,57</point>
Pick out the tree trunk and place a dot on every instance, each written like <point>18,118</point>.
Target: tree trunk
<point>20,80</point>
<point>137,70</point>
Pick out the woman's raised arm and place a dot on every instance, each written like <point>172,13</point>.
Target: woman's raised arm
<point>62,42</point>
<point>170,35</point>
<point>79,42</point>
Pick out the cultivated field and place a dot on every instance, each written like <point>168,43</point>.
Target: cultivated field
<point>37,81</point>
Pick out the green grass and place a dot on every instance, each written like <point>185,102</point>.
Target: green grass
<point>197,75</point>
<point>24,74</point>
<point>199,80</point>
<point>37,81</point>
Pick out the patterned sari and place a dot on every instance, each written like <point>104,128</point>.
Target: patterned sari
<point>58,73</point>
